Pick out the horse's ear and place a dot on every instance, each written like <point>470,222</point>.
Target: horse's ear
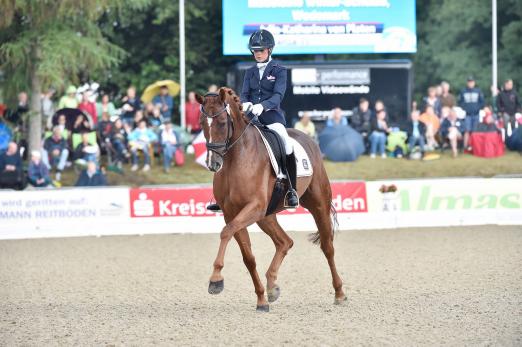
<point>199,98</point>
<point>222,94</point>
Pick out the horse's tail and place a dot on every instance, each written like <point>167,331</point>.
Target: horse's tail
<point>315,238</point>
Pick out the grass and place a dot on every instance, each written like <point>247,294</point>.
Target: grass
<point>364,168</point>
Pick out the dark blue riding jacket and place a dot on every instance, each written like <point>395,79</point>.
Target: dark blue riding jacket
<point>269,91</point>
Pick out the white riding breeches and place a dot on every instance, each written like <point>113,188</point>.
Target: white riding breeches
<point>281,130</point>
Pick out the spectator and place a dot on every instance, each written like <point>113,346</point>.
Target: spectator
<point>38,173</point>
<point>451,130</point>
<point>86,150</point>
<point>55,152</point>
<point>361,118</point>
<point>138,117</point>
<point>81,125</point>
<point>148,112</point>
<point>131,104</point>
<point>414,106</point>
<point>432,100</point>
<point>508,104</point>
<point>471,100</point>
<point>91,177</point>
<point>11,173</point>
<point>378,133</point>
<point>192,113</point>
<point>105,127</point>
<point>164,102</point>
<point>337,118</point>
<point>69,99</point>
<point>447,99</point>
<point>17,117</point>
<point>416,132</point>
<point>445,112</point>
<point>62,122</point>
<point>156,119</point>
<point>306,125</point>
<point>89,107</point>
<point>119,139</point>
<point>105,106</point>
<point>47,105</point>
<point>379,106</point>
<point>212,88</point>
<point>5,134</point>
<point>488,124</point>
<point>140,139</point>
<point>170,142</point>
<point>432,123</point>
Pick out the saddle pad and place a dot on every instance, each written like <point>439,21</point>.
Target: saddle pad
<point>304,166</point>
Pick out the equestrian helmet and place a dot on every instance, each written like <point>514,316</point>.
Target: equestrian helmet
<point>261,39</point>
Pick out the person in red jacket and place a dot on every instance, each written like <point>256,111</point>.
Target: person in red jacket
<point>192,113</point>
<point>89,107</point>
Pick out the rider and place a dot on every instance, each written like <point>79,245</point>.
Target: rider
<point>263,90</point>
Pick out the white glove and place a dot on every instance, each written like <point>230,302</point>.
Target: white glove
<point>257,109</point>
<point>246,105</point>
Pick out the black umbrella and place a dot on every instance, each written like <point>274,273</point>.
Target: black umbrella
<point>71,114</point>
<point>341,143</point>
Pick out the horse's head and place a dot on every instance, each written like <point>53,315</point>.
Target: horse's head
<point>219,114</point>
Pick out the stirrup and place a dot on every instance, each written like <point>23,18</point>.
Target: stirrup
<point>214,208</point>
<point>293,194</point>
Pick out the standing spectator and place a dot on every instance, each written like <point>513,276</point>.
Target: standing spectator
<point>55,152</point>
<point>471,100</point>
<point>69,99</point>
<point>38,173</point>
<point>306,125</point>
<point>337,118</point>
<point>119,138</point>
<point>89,107</point>
<point>164,102</point>
<point>141,138</point>
<point>17,117</point>
<point>379,130</point>
<point>47,105</point>
<point>11,173</point>
<point>5,133</point>
<point>91,177</point>
<point>447,99</point>
<point>105,106</point>
<point>432,100</point>
<point>452,129</point>
<point>131,104</point>
<point>361,118</point>
<point>169,142</point>
<point>508,104</point>
<point>192,113</point>
<point>432,122</point>
<point>416,132</point>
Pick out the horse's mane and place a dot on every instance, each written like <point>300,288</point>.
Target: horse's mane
<point>232,98</point>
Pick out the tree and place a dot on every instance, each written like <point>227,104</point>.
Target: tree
<point>46,43</point>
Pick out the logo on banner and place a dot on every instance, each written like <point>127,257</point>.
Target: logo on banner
<point>143,207</point>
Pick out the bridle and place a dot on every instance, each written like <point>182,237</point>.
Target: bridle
<point>222,148</point>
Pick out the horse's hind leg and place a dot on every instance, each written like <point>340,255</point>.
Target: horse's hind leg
<point>319,206</point>
<point>282,243</point>
<point>243,241</point>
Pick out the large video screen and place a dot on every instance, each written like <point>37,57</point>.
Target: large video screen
<point>322,26</point>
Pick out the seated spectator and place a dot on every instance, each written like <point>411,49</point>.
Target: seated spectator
<point>432,122</point>
<point>156,119</point>
<point>62,123</point>
<point>105,127</point>
<point>337,118</point>
<point>140,139</point>
<point>22,107</point>
<point>131,104</point>
<point>5,134</point>
<point>11,171</point>
<point>306,125</point>
<point>69,99</point>
<point>444,112</point>
<point>138,117</point>
<point>169,142</point>
<point>452,130</point>
<point>105,106</point>
<point>379,106</point>
<point>148,112</point>
<point>119,141</point>
<point>432,100</point>
<point>379,130</point>
<point>164,102</point>
<point>91,177</point>
<point>488,124</point>
<point>86,151</point>
<point>89,107</point>
<point>416,132</point>
<point>192,112</point>
<point>486,140</point>
<point>38,173</point>
<point>55,152</point>
<point>81,125</point>
<point>361,118</point>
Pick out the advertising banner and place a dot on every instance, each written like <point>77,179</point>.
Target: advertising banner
<point>322,26</point>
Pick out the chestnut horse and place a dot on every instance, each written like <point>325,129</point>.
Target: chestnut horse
<point>243,185</point>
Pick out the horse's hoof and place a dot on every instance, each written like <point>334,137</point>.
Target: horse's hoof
<point>263,308</point>
<point>216,287</point>
<point>273,293</point>
<point>340,301</point>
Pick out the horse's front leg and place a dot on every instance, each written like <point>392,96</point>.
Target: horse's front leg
<point>250,214</point>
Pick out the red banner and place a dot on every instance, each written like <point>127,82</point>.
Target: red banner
<point>348,197</point>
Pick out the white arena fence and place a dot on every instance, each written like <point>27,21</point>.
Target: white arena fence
<point>181,209</point>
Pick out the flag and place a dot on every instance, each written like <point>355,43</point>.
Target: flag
<point>200,149</point>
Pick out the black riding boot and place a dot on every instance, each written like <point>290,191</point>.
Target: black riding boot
<point>292,199</point>
<point>214,208</point>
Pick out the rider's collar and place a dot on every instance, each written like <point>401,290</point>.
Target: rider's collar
<point>263,65</point>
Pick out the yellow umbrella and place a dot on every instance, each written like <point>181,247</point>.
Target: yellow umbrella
<point>154,89</point>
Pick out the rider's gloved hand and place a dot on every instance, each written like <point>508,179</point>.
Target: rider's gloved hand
<point>257,109</point>
<point>246,105</point>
